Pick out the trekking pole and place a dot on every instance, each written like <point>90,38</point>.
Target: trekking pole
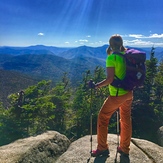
<point>118,131</point>
<point>91,121</point>
<point>91,114</point>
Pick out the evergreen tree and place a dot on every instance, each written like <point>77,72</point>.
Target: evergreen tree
<point>158,96</point>
<point>143,111</point>
<point>87,102</point>
<point>35,110</point>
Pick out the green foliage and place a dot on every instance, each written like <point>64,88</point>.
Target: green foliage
<point>12,82</point>
<point>88,102</point>
<point>68,110</point>
<point>147,105</point>
<point>35,110</point>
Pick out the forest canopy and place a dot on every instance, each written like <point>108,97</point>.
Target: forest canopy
<point>67,109</point>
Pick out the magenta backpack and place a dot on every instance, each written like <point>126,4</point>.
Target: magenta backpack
<point>135,70</point>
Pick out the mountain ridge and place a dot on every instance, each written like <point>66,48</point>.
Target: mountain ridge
<point>69,53</point>
<point>49,65</point>
<point>39,61</point>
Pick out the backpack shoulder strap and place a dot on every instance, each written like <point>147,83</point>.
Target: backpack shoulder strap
<point>118,53</point>
<point>117,81</point>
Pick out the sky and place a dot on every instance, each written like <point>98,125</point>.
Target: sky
<point>73,23</point>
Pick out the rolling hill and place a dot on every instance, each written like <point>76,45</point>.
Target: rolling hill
<point>19,66</point>
<point>69,53</point>
<point>12,82</point>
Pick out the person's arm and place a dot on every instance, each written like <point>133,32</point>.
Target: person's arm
<point>110,77</point>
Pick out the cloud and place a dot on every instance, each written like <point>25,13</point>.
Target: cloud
<point>83,40</point>
<point>67,42</point>
<point>40,34</point>
<point>98,43</point>
<point>141,43</point>
<point>155,35</point>
<point>138,42</point>
<point>136,35</point>
<point>88,36</point>
<point>142,40</point>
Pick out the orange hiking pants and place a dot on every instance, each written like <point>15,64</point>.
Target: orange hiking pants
<point>110,105</point>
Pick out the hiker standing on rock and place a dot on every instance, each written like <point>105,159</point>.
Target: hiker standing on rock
<point>118,98</point>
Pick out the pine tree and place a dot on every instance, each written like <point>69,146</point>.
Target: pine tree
<point>143,111</point>
<point>35,110</point>
<point>158,96</point>
<point>88,102</point>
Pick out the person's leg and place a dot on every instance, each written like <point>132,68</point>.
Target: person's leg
<point>110,105</point>
<point>104,116</point>
<point>105,113</point>
<point>126,124</point>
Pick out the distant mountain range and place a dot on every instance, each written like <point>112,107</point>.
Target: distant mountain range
<point>48,62</point>
<point>69,53</point>
<point>51,62</point>
<point>37,49</point>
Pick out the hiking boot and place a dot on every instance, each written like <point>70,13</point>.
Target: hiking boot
<point>97,152</point>
<point>119,150</point>
<point>124,159</point>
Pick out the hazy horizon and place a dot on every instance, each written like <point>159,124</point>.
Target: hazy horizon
<point>75,46</point>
